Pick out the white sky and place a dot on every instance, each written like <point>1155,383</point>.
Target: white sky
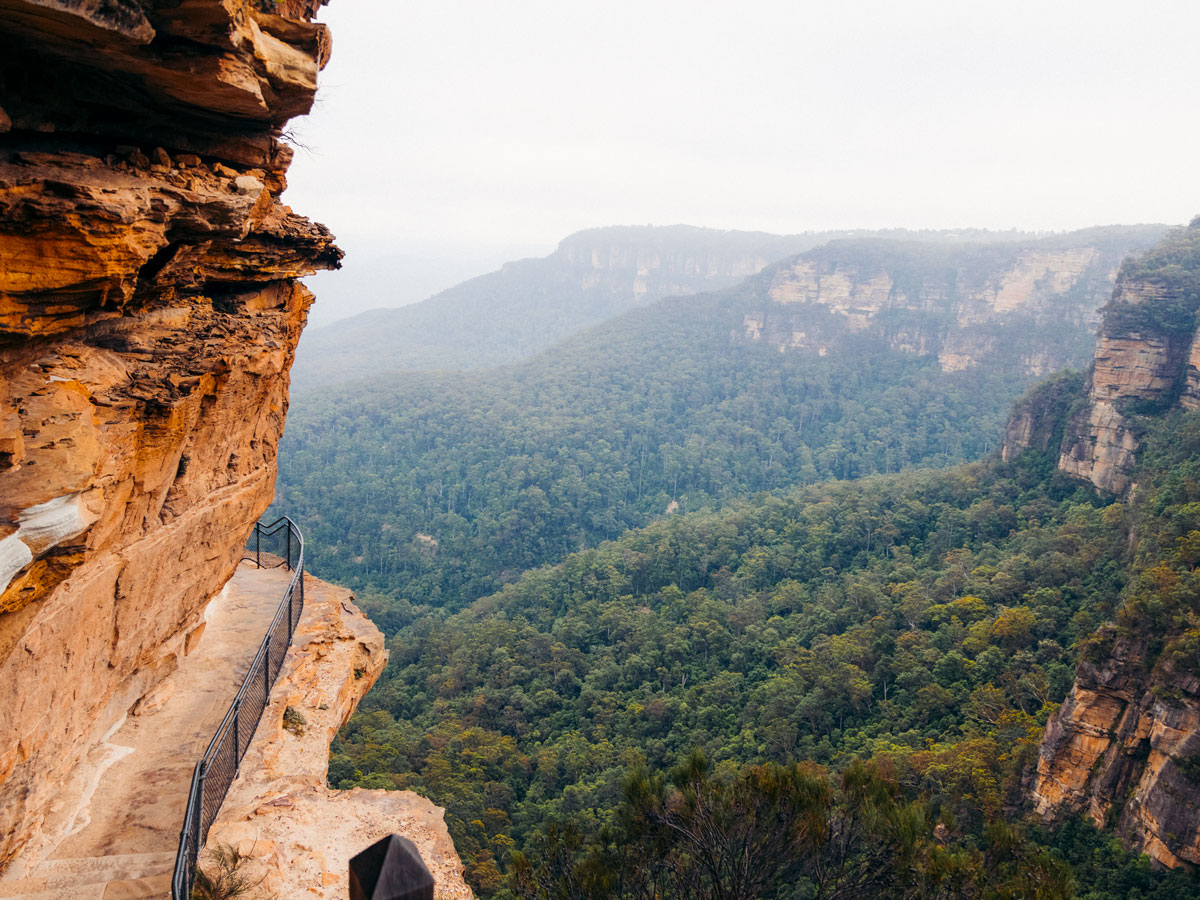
<point>511,123</point>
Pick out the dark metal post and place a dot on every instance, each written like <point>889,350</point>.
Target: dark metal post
<point>266,673</point>
<point>288,529</point>
<point>198,840</point>
<point>257,545</point>
<point>237,738</point>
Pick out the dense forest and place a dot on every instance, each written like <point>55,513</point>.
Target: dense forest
<point>874,658</point>
<point>440,487</point>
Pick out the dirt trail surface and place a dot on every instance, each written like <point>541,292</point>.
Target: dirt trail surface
<point>116,827</point>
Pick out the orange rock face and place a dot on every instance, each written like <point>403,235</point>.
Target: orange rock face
<point>1117,750</point>
<point>148,317</point>
<point>1019,307</point>
<point>1131,369</point>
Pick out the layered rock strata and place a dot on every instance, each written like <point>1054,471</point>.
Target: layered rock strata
<point>1122,750</point>
<point>148,317</point>
<point>1137,368</point>
<point>1028,306</point>
<point>1146,361</point>
<point>280,813</point>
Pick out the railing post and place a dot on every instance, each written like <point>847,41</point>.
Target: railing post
<point>237,737</point>
<point>288,529</point>
<point>197,843</point>
<point>258,545</point>
<point>267,673</point>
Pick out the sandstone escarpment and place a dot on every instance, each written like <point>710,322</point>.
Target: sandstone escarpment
<point>1143,363</point>
<point>280,811</point>
<point>655,263</point>
<point>1037,419</point>
<point>1023,306</point>
<point>1122,749</point>
<point>148,317</point>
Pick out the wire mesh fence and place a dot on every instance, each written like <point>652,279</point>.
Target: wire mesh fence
<point>270,546</point>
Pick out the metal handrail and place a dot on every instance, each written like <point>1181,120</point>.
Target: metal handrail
<point>217,768</point>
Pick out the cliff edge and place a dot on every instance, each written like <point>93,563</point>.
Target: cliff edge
<point>1123,747</point>
<point>1147,361</point>
<point>149,312</point>
<point>280,814</point>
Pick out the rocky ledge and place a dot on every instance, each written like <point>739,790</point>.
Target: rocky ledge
<point>1145,361</point>
<point>280,813</point>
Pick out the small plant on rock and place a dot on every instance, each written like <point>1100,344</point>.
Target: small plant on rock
<point>294,721</point>
<point>227,876</point>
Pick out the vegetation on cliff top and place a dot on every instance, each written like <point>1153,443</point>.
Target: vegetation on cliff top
<point>1170,272</point>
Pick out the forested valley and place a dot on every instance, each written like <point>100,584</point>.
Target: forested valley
<point>439,487</point>
<point>927,623</point>
<point>673,613</point>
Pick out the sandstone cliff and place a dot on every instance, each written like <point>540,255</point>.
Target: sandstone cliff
<point>1024,305</point>
<point>1122,748</point>
<point>1119,750</point>
<point>1038,419</point>
<point>529,304</point>
<point>648,264</point>
<point>148,317</point>
<point>1145,361</point>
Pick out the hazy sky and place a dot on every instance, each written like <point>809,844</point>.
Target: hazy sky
<point>512,123</point>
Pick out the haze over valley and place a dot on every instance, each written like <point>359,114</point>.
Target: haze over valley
<point>599,451</point>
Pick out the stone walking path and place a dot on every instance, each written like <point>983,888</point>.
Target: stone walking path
<point>118,825</point>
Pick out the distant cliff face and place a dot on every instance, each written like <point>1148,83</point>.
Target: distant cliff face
<point>529,304</point>
<point>148,316</point>
<point>648,264</point>
<point>1121,749</point>
<point>1028,305</point>
<point>1145,361</point>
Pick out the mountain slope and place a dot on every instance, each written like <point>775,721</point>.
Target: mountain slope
<point>440,486</point>
<point>528,304</point>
